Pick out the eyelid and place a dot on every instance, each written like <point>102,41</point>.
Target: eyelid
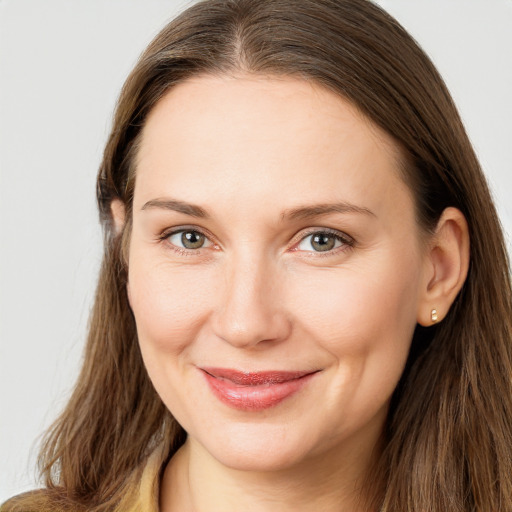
<point>346,240</point>
<point>166,233</point>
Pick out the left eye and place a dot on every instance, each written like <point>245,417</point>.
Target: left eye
<point>321,242</point>
<point>189,239</point>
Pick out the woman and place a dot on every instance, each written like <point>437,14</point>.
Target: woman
<point>297,307</point>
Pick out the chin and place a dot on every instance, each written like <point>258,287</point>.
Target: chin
<point>259,460</point>
<point>258,447</point>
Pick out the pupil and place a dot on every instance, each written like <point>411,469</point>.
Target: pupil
<point>323,242</point>
<point>192,239</point>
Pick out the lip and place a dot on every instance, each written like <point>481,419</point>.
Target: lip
<point>254,391</point>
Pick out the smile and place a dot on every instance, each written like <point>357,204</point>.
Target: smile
<point>254,391</point>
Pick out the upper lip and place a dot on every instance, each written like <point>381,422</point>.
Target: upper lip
<point>255,378</point>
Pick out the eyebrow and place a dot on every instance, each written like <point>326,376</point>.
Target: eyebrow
<point>299,213</point>
<point>177,206</point>
<point>306,212</point>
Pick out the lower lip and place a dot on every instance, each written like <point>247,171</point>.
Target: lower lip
<point>254,397</point>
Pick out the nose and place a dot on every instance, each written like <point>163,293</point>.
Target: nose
<point>249,310</point>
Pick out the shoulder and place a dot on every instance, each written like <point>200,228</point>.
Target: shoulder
<point>33,501</point>
<point>148,484</point>
<point>141,492</point>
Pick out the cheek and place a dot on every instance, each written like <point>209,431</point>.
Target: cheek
<point>377,293</point>
<point>364,308</point>
<point>169,304</point>
<point>364,317</point>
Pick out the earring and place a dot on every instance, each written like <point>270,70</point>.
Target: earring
<point>433,316</point>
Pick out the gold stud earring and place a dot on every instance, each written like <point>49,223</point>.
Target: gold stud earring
<point>433,316</point>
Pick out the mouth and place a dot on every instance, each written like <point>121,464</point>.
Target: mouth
<point>254,391</point>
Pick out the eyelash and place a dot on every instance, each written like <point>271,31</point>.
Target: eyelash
<point>180,250</point>
<point>346,241</point>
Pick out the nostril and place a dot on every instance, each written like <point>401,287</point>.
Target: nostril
<point>248,309</point>
<point>250,327</point>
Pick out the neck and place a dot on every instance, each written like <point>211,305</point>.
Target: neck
<point>196,482</point>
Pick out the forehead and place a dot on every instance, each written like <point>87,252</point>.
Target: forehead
<point>268,140</point>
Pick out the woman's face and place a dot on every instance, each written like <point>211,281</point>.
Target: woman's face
<point>275,269</point>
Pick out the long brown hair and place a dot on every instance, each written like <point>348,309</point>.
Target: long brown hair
<point>448,439</point>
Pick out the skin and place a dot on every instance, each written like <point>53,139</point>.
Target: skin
<point>258,296</point>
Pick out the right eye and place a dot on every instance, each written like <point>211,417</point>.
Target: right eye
<point>188,239</point>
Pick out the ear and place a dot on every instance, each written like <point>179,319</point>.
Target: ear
<point>446,267</point>
<point>118,212</point>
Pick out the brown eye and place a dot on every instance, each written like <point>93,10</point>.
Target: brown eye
<point>188,239</point>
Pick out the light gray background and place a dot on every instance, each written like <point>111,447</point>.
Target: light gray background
<point>62,64</point>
